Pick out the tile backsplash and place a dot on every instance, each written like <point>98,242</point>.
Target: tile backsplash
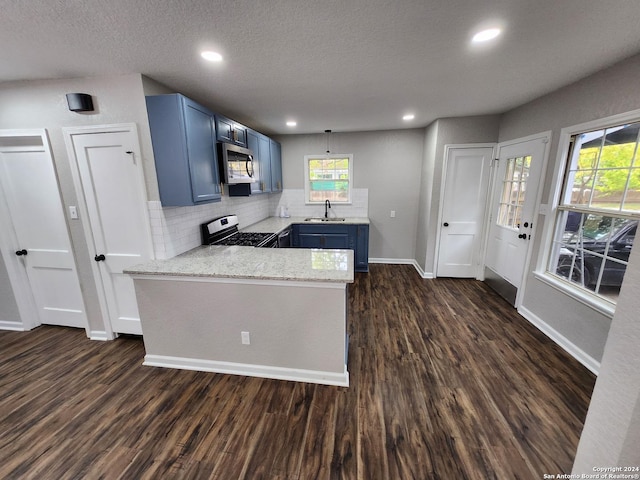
<point>293,199</point>
<point>176,230</point>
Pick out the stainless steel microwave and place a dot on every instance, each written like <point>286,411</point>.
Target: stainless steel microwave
<point>237,163</point>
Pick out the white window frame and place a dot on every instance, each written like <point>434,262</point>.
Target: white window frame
<point>307,191</point>
<point>551,209</point>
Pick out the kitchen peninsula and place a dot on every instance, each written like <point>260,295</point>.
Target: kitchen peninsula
<point>267,312</point>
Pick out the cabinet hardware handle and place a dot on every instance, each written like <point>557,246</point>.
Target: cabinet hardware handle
<point>100,258</point>
<point>21,252</point>
<point>445,224</point>
<point>523,236</point>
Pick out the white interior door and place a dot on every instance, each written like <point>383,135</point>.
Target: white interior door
<point>515,197</point>
<point>36,230</point>
<point>110,176</point>
<point>466,180</point>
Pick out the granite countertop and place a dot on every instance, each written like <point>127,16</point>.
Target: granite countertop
<point>292,264</point>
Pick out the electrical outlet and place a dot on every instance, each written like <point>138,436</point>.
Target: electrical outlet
<point>246,340</point>
<point>393,214</point>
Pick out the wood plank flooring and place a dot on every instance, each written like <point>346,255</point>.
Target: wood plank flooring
<point>447,382</point>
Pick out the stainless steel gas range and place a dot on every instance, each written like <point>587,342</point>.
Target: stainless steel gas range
<point>224,231</point>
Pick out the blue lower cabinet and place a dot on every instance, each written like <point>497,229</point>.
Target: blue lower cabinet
<point>324,240</point>
<point>346,237</point>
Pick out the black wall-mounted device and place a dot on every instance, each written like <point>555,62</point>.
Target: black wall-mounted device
<point>80,102</point>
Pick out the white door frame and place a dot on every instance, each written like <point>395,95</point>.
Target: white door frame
<point>68,133</point>
<point>545,137</point>
<point>483,235</point>
<point>20,284</point>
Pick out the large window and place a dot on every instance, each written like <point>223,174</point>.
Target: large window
<point>598,211</point>
<point>328,177</point>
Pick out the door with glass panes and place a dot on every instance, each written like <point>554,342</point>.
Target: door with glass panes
<point>515,191</point>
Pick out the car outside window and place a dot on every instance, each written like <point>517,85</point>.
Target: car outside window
<point>598,212</point>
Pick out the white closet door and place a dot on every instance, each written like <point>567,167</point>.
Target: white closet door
<point>110,175</point>
<point>466,181</point>
<point>38,234</point>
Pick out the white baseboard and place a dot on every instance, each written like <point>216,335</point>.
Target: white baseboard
<point>14,326</point>
<point>588,361</point>
<point>403,261</point>
<point>99,335</point>
<point>262,371</point>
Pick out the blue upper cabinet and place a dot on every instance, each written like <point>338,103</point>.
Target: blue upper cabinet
<point>230,131</point>
<point>276,166</point>
<point>259,144</point>
<point>184,147</point>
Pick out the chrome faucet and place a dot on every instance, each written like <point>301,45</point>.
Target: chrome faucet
<point>327,206</point>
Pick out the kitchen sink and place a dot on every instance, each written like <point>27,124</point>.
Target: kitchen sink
<point>322,219</point>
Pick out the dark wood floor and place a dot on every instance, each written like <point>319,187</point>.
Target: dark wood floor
<point>447,382</point>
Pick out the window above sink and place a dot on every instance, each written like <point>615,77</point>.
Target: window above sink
<point>328,177</point>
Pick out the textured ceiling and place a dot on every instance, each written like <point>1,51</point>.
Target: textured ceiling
<point>345,65</point>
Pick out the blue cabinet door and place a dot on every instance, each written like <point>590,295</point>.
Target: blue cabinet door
<point>352,237</point>
<point>224,129</point>
<point>259,145</point>
<point>253,144</point>
<point>183,139</point>
<point>276,166</point>
<point>229,131</point>
<point>324,240</point>
<point>264,151</point>
<point>201,150</point>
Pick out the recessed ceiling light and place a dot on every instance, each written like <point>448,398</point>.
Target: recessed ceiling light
<point>211,56</point>
<point>291,123</point>
<point>408,116</point>
<point>486,35</point>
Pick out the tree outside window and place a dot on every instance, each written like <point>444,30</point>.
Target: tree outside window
<point>328,177</point>
<point>599,210</point>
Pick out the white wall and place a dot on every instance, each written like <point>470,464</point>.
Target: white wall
<point>447,131</point>
<point>388,164</point>
<point>426,196</point>
<point>43,104</point>
<point>611,434</point>
<point>611,91</point>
